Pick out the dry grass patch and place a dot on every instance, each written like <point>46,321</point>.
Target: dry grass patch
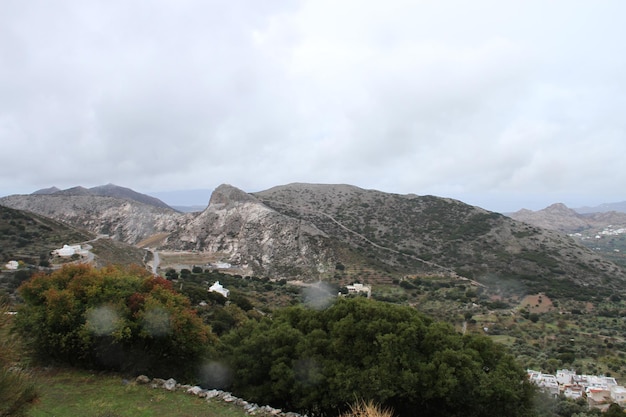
<point>368,409</point>
<point>538,303</point>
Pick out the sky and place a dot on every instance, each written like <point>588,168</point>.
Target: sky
<point>501,104</point>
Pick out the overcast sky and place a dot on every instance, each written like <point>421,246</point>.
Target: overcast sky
<point>501,104</point>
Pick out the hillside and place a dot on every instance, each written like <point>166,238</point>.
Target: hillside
<point>559,217</point>
<point>603,232</point>
<point>344,233</point>
<point>424,234</point>
<point>603,208</point>
<point>109,190</point>
<point>125,220</point>
<point>30,237</point>
<point>240,229</point>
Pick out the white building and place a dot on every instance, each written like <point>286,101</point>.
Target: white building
<point>218,288</point>
<point>12,265</point>
<point>359,288</point>
<point>66,251</point>
<point>573,391</point>
<point>599,390</point>
<point>618,394</point>
<point>565,376</point>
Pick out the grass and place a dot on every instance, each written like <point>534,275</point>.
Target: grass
<point>368,409</point>
<point>71,392</point>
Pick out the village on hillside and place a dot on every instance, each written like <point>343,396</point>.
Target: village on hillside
<point>600,391</point>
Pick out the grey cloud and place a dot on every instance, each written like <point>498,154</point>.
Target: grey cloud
<point>466,98</point>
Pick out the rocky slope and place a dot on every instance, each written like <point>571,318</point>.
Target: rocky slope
<point>126,220</point>
<point>244,231</point>
<point>559,217</point>
<point>426,234</point>
<point>109,190</point>
<point>310,231</point>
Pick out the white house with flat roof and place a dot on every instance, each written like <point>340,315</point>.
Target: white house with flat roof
<point>218,288</point>
<point>12,265</point>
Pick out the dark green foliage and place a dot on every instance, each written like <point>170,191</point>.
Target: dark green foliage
<point>171,274</point>
<point>112,318</point>
<point>614,410</point>
<point>17,391</point>
<point>320,361</point>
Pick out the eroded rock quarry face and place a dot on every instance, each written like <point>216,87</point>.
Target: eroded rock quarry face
<point>244,231</point>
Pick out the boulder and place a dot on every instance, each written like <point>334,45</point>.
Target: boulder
<point>142,379</point>
<point>170,384</point>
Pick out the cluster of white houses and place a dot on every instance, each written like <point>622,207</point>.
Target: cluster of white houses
<point>600,391</point>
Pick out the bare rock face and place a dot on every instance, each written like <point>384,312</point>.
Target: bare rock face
<point>125,220</point>
<point>244,231</point>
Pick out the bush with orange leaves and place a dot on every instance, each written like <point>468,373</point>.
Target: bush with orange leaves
<point>114,318</point>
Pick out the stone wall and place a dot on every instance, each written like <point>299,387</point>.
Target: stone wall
<point>215,395</point>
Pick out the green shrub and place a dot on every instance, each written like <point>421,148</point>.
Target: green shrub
<point>317,361</point>
<point>113,318</point>
<point>17,390</point>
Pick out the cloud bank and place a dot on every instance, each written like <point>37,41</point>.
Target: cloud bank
<point>501,104</point>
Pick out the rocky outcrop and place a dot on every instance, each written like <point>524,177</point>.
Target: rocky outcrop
<point>244,231</point>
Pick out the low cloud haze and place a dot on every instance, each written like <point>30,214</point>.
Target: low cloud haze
<point>500,104</point>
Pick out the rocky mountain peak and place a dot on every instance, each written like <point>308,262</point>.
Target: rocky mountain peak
<point>227,195</point>
<point>560,208</point>
<point>555,217</point>
<point>79,190</point>
<point>44,191</point>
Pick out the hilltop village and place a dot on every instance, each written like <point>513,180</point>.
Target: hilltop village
<point>600,391</point>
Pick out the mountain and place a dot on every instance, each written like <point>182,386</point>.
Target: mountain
<point>603,208</point>
<point>560,217</point>
<point>555,217</point>
<point>30,238</point>
<point>244,231</point>
<point>109,190</point>
<point>345,233</point>
<point>603,232</point>
<point>427,234</point>
<point>126,220</point>
<point>50,190</point>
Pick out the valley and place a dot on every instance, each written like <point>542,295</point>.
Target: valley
<point>554,296</point>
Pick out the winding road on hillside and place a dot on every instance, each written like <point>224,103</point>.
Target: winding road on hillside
<point>376,245</point>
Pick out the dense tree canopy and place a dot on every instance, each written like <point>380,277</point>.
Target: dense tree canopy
<point>321,361</point>
<point>114,318</point>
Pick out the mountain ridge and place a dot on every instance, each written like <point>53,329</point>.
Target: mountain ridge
<point>305,231</point>
<point>108,190</point>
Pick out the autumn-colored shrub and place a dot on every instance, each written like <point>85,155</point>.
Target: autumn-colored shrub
<point>113,318</point>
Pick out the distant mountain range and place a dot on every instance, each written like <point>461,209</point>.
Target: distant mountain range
<point>603,208</point>
<point>316,231</point>
<point>559,217</point>
<point>109,190</point>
